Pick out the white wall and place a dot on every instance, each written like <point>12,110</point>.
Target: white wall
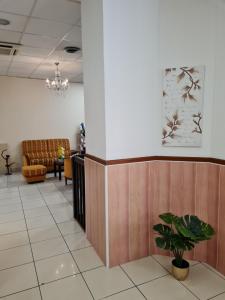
<point>92,41</point>
<point>129,50</point>
<point>131,76</point>
<point>187,38</point>
<point>218,136</point>
<point>28,110</point>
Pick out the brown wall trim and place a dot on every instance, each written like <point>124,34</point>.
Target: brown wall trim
<point>151,158</point>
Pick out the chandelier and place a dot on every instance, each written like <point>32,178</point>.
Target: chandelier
<point>58,83</point>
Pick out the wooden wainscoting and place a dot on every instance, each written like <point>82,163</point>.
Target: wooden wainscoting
<point>95,206</point>
<point>139,192</point>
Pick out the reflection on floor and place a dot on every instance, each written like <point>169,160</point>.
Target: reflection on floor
<point>44,254</point>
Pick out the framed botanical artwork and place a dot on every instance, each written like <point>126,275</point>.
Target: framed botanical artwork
<point>182,106</point>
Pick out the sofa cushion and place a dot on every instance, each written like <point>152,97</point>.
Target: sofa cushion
<point>42,161</point>
<point>37,170</point>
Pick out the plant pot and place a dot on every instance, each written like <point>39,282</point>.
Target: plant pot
<point>181,272</point>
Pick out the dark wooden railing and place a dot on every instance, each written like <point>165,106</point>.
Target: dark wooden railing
<point>78,189</point>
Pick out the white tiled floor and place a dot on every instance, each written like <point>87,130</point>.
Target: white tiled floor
<point>44,255</point>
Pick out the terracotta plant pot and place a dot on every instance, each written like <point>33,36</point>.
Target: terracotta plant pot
<point>181,272</point>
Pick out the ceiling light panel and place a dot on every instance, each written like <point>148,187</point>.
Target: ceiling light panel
<point>17,23</point>
<point>39,41</point>
<point>10,36</point>
<point>47,28</point>
<point>21,7</point>
<point>64,11</point>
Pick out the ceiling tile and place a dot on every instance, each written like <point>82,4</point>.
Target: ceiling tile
<point>3,72</point>
<point>36,52</point>
<point>27,59</point>
<point>10,36</point>
<point>17,23</point>
<point>4,64</point>
<point>74,36</point>
<point>72,68</point>
<point>45,68</point>
<point>47,28</point>
<point>39,41</point>
<point>64,11</point>
<point>21,66</point>
<point>21,7</point>
<point>38,76</point>
<point>7,58</point>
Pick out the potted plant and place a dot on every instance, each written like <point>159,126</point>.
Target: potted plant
<point>180,235</point>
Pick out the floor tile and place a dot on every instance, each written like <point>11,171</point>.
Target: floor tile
<point>13,240</point>
<point>166,288</point>
<point>41,221</point>
<point>56,267</point>
<point>15,256</point>
<point>9,195</point>
<point>87,259</point>
<point>22,277</point>
<point>69,227</point>
<point>77,241</point>
<point>70,288</point>
<point>43,233</point>
<point>12,217</point>
<point>131,294</point>
<point>13,201</point>
<point>49,248</point>
<point>36,212</point>
<point>143,270</point>
<point>6,228</point>
<point>33,294</point>
<point>166,261</point>
<point>204,283</point>
<point>6,209</point>
<point>105,282</point>
<point>33,204</point>
<point>31,197</point>
<point>63,217</point>
<point>214,270</point>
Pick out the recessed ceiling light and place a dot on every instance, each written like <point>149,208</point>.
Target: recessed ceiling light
<point>4,22</point>
<point>71,49</point>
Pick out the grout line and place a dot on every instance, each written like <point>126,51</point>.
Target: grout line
<point>106,297</point>
<point>31,247</point>
<point>34,287</point>
<point>132,281</point>
<point>70,251</point>
<point>223,293</point>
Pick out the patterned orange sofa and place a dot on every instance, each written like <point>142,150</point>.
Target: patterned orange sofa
<point>43,152</point>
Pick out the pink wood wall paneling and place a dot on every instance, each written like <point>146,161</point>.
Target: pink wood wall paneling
<point>206,208</point>
<point>139,192</point>
<point>159,197</point>
<point>95,206</point>
<point>221,223</point>
<point>118,191</point>
<point>128,213</point>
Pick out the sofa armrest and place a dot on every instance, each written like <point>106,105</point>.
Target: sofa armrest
<point>25,160</point>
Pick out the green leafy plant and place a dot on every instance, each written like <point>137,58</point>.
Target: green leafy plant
<point>181,234</point>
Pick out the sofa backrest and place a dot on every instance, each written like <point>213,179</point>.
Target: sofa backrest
<point>40,147</point>
<point>34,146</point>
